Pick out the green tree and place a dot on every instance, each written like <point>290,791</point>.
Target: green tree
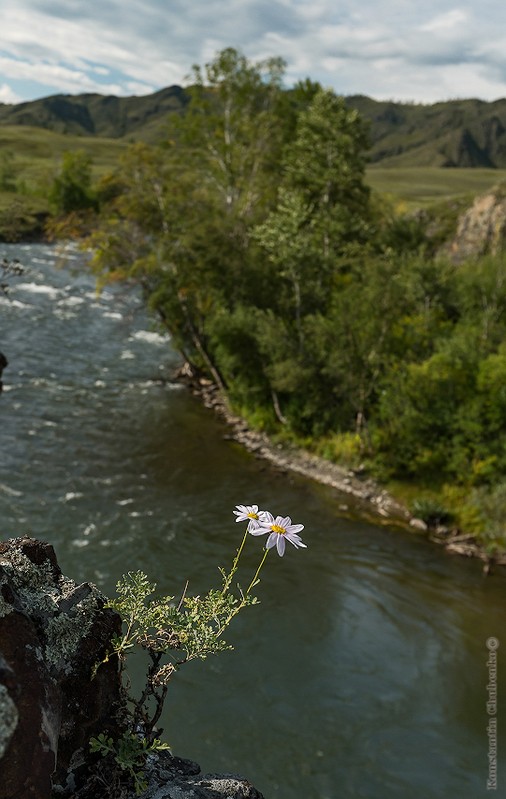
<point>424,427</point>
<point>71,189</point>
<point>319,227</point>
<point>231,133</point>
<point>482,299</point>
<point>326,163</point>
<point>179,222</point>
<point>323,206</point>
<point>147,239</point>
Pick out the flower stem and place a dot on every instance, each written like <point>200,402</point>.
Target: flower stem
<point>228,579</point>
<point>242,603</point>
<point>255,578</point>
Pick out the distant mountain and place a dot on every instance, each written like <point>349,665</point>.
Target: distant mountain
<point>458,133</point>
<point>98,115</point>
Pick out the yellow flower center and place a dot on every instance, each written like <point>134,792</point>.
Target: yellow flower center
<point>252,515</point>
<point>277,529</point>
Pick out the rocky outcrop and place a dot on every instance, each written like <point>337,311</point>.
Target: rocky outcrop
<point>52,634</point>
<point>171,777</point>
<point>53,698</point>
<point>481,229</point>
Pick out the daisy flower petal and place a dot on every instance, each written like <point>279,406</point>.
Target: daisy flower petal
<point>271,541</point>
<point>245,512</point>
<point>295,540</point>
<point>266,518</point>
<point>294,528</point>
<point>256,530</point>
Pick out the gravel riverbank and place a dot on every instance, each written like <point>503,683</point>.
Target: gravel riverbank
<point>370,500</point>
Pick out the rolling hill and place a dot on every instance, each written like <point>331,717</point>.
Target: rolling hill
<point>457,133</point>
<point>98,115</point>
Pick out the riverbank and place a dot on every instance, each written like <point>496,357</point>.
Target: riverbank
<point>371,501</point>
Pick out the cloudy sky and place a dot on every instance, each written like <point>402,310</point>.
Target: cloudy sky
<point>388,49</point>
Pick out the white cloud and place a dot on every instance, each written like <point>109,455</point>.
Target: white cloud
<point>7,95</point>
<point>384,48</point>
<point>66,79</point>
<point>139,89</point>
<point>448,21</point>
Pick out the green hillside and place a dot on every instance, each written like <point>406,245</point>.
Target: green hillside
<point>422,186</point>
<point>35,153</point>
<point>98,115</point>
<point>458,133</point>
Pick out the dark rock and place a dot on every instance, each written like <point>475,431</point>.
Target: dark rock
<point>52,634</point>
<point>32,707</point>
<point>174,778</point>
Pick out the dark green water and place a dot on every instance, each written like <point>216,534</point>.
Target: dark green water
<point>362,673</point>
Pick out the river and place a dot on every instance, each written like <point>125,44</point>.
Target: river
<point>362,672</point>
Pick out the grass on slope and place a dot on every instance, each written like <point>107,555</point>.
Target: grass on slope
<point>35,153</point>
<point>421,186</point>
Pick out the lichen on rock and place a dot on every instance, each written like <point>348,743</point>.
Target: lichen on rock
<point>8,719</point>
<point>67,611</point>
<point>5,607</point>
<point>66,631</point>
<point>52,633</point>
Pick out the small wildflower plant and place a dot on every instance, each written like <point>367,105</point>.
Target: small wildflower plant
<point>129,753</point>
<point>173,632</point>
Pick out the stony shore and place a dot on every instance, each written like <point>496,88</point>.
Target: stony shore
<point>369,499</point>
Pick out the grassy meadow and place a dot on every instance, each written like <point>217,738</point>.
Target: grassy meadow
<point>421,186</point>
<point>33,156</point>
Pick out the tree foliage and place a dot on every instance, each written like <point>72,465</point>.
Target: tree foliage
<point>71,188</point>
<point>315,307</point>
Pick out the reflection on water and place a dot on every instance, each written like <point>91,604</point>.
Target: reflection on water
<point>361,673</point>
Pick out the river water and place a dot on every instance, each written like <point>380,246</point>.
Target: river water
<point>362,672</point>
